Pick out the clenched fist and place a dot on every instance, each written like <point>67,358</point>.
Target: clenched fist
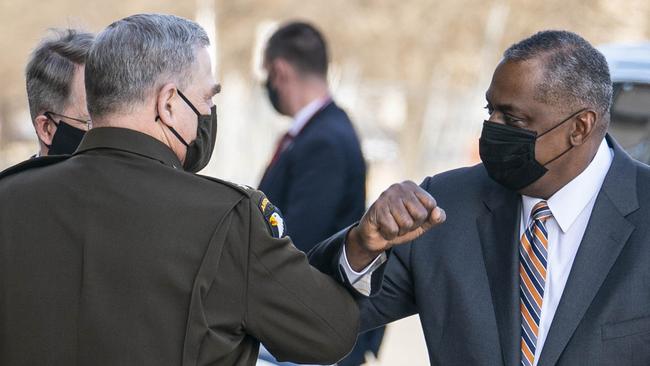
<point>401,213</point>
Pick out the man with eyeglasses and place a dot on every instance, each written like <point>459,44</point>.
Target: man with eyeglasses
<point>55,91</point>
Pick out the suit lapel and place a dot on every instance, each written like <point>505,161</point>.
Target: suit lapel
<point>606,235</point>
<point>273,169</point>
<point>498,231</point>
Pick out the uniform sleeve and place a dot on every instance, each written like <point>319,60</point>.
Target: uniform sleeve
<point>389,295</point>
<point>297,312</point>
<point>314,192</point>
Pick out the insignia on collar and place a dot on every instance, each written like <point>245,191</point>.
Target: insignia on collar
<point>273,218</point>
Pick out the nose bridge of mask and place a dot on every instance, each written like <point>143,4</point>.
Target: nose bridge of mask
<point>509,132</point>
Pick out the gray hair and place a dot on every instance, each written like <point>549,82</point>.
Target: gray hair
<point>576,75</point>
<point>50,69</point>
<point>135,55</point>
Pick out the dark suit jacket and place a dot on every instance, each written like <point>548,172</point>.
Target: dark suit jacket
<point>462,277</point>
<point>319,181</point>
<point>115,256</point>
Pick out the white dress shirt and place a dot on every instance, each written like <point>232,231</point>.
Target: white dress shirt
<point>361,281</point>
<point>306,113</point>
<point>299,122</point>
<point>571,207</point>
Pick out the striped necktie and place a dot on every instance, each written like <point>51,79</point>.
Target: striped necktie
<point>532,277</point>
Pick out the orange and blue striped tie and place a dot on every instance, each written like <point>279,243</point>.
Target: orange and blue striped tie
<point>532,277</point>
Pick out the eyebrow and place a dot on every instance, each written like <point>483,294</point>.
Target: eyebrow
<point>503,107</point>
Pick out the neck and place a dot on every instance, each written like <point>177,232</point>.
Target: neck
<point>43,150</point>
<point>141,121</point>
<point>309,90</point>
<point>563,171</point>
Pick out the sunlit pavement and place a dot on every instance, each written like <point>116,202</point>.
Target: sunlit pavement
<point>403,346</point>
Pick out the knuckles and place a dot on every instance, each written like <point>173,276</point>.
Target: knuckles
<point>420,215</point>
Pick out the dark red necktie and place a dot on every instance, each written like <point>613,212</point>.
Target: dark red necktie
<point>284,142</point>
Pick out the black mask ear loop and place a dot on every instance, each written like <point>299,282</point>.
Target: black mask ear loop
<point>178,136</point>
<point>189,103</point>
<point>49,116</point>
<point>556,126</point>
<point>563,122</point>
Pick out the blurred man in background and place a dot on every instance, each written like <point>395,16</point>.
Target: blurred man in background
<point>317,174</point>
<point>55,91</point>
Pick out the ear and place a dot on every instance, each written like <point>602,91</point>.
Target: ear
<point>585,124</point>
<point>45,129</point>
<point>165,104</point>
<point>283,71</point>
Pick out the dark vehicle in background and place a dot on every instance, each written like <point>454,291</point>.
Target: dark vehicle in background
<point>629,66</point>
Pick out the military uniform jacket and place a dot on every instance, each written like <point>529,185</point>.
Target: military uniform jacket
<point>116,256</point>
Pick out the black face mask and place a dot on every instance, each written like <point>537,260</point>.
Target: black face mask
<point>66,138</point>
<point>508,154</point>
<point>200,150</point>
<point>274,97</point>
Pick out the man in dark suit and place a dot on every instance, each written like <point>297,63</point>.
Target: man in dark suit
<point>545,255</point>
<point>120,255</point>
<point>55,90</point>
<point>317,175</point>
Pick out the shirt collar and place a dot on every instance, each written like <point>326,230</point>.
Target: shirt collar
<point>567,203</point>
<point>131,141</point>
<point>306,113</point>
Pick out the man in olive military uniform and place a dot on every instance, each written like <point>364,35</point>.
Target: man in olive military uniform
<point>120,255</point>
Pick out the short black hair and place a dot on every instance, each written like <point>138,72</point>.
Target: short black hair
<point>576,74</point>
<point>50,69</point>
<point>300,44</point>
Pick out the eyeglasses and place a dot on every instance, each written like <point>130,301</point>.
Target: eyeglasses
<point>84,124</point>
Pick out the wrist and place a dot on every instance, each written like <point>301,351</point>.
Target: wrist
<point>357,253</point>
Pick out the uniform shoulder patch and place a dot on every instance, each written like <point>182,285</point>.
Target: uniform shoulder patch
<point>273,218</point>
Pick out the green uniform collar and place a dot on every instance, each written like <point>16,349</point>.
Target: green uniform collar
<point>130,141</point>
